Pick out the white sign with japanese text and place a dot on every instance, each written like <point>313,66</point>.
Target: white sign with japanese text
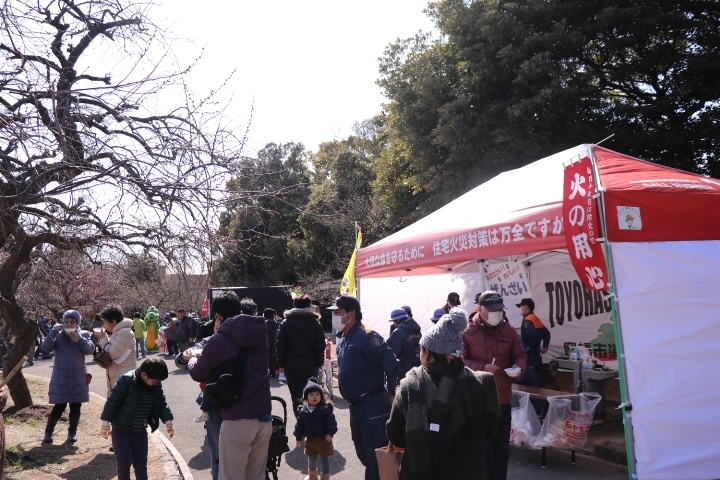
<point>510,280</point>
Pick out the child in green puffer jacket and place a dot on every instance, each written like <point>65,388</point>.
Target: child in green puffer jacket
<point>136,401</point>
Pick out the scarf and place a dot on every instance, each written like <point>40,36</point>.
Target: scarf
<point>434,415</point>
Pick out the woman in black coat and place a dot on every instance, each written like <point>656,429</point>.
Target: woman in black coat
<point>272,326</point>
<point>300,347</point>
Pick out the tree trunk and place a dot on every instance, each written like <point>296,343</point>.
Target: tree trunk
<point>3,402</point>
<point>19,390</point>
<point>18,387</point>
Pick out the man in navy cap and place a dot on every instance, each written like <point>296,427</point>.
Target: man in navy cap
<point>364,362</point>
<point>437,314</point>
<point>405,341</point>
<point>394,323</point>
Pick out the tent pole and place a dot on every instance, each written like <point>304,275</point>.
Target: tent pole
<point>481,263</point>
<point>617,328</point>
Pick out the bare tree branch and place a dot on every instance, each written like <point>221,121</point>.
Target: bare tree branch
<point>136,165</point>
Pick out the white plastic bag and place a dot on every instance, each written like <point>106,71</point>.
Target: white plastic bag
<point>568,421</point>
<point>584,352</point>
<point>525,425</point>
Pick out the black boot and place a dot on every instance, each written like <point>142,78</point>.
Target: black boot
<point>50,428</point>
<point>72,429</point>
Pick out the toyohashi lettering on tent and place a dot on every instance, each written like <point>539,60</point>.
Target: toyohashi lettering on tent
<point>581,230</point>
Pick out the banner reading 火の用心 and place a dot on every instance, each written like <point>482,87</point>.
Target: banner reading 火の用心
<point>582,224</point>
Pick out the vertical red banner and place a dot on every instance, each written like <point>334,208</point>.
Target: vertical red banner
<point>582,224</point>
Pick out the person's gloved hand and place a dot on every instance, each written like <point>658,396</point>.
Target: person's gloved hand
<point>74,336</point>
<point>55,331</point>
<point>105,430</point>
<point>170,429</point>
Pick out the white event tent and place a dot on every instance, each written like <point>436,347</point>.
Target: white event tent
<point>658,323</point>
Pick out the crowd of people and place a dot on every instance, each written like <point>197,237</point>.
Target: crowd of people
<point>442,395</point>
<point>135,398</point>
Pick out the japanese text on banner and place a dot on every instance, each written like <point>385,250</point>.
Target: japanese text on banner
<point>475,240</point>
<point>582,224</point>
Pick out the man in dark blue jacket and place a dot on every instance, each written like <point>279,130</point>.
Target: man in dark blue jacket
<point>364,362</point>
<point>536,339</point>
<point>187,330</point>
<point>405,341</point>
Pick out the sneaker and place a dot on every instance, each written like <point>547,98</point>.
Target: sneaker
<point>204,417</point>
<point>282,377</point>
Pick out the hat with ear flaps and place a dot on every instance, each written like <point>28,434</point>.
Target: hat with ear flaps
<point>444,338</point>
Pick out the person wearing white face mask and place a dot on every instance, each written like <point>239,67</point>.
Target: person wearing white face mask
<point>368,375</point>
<point>69,381</point>
<point>492,345</point>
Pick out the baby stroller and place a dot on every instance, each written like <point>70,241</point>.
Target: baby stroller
<point>278,441</point>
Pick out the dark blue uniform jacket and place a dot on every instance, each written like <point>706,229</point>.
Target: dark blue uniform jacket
<point>364,362</point>
<point>405,343</point>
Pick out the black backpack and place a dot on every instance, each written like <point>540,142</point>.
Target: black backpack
<point>226,382</point>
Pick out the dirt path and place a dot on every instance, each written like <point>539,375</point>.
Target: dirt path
<point>88,459</point>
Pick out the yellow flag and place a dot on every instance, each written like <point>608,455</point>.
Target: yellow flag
<point>348,285</point>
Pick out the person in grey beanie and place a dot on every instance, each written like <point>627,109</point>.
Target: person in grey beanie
<point>443,412</point>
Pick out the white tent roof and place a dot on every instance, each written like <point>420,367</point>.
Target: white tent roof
<point>498,197</point>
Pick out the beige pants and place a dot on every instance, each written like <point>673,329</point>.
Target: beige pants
<point>244,449</point>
